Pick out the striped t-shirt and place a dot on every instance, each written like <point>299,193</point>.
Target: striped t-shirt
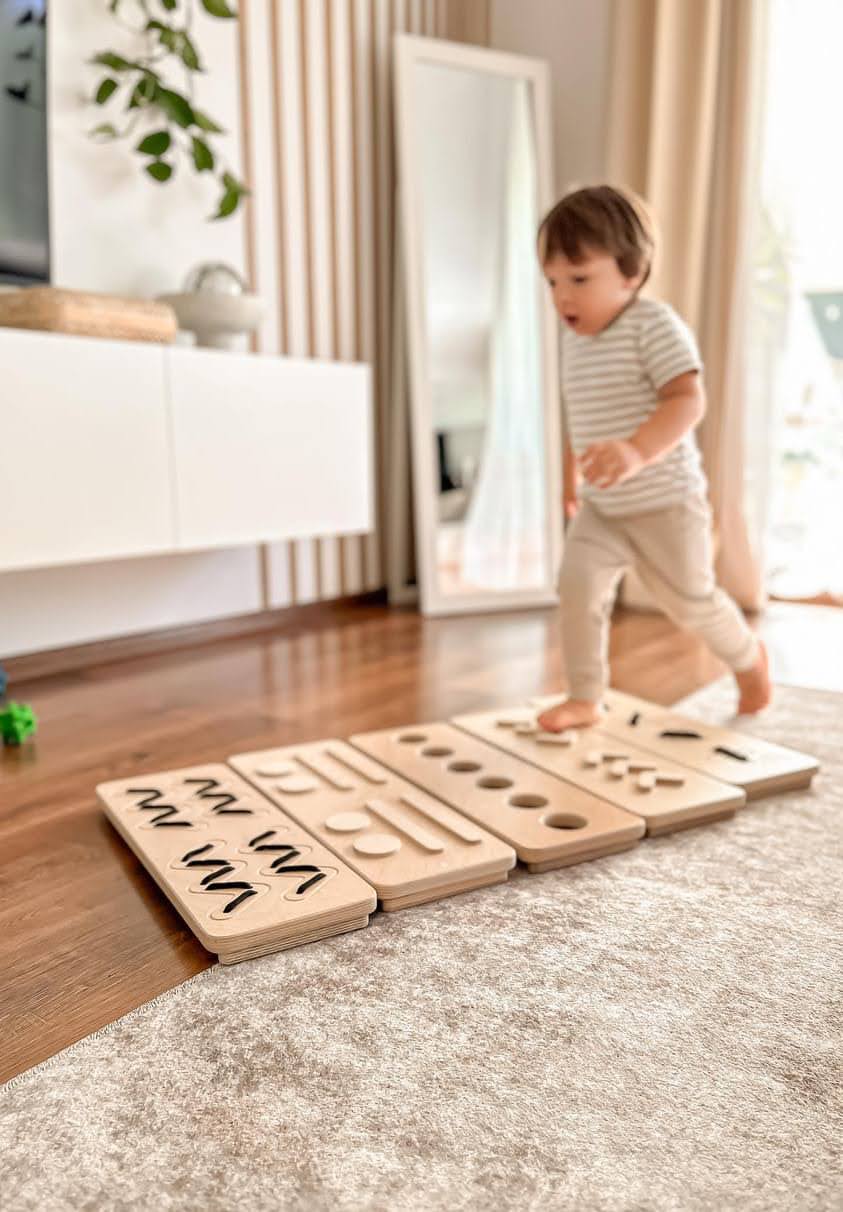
<point>610,383</point>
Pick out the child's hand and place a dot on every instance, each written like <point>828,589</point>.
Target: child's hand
<point>608,463</point>
<point>570,505</point>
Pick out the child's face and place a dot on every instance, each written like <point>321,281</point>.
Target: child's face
<point>589,293</point>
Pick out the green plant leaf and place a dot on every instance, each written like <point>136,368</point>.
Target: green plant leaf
<point>116,62</point>
<point>143,92</point>
<point>167,36</point>
<point>228,204</point>
<point>236,186</point>
<point>155,144</point>
<point>106,88</point>
<point>175,106</point>
<point>169,5</point>
<point>218,8</point>
<point>203,157</point>
<point>159,170</point>
<point>189,54</point>
<point>107,129</point>
<point>206,123</point>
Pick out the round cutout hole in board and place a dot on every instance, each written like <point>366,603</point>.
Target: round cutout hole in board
<point>564,820</point>
<point>528,800</point>
<point>463,766</point>
<point>436,751</point>
<point>494,782</point>
<point>412,738</point>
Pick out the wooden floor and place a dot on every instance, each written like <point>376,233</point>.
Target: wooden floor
<point>84,934</point>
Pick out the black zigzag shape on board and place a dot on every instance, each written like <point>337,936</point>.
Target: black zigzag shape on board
<point>225,802</point>
<point>283,863</point>
<point>154,802</point>
<point>214,880</point>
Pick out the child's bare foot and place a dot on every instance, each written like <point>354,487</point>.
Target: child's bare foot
<point>572,713</point>
<point>754,685</point>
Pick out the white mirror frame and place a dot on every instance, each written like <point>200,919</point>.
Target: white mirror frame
<point>410,50</point>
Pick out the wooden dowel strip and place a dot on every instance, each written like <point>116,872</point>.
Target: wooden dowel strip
<point>386,813</point>
<point>317,768</point>
<point>446,820</point>
<point>358,766</point>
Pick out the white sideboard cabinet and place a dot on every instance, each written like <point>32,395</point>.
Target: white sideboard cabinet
<point>84,450</point>
<point>250,465</point>
<point>111,449</point>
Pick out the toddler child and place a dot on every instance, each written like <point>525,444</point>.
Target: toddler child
<point>632,394</point>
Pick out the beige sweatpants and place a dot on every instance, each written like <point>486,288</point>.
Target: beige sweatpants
<point>671,550</point>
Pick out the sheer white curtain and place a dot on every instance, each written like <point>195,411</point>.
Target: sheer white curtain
<point>795,330</point>
<point>504,540</point>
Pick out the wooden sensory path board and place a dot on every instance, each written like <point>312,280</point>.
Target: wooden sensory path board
<point>549,823</point>
<point>759,767</point>
<point>411,846</point>
<point>247,878</point>
<point>668,796</point>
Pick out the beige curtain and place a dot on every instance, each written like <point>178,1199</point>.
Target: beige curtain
<point>681,126</point>
<point>465,20</point>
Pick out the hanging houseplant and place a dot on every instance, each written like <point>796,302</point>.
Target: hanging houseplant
<point>181,131</point>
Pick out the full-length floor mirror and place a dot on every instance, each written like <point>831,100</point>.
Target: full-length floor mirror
<point>473,138</point>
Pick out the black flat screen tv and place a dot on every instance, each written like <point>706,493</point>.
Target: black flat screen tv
<point>24,203</point>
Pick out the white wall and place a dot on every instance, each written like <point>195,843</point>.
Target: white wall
<point>52,607</point>
<point>573,37</point>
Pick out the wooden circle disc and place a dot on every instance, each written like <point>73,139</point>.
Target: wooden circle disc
<point>297,784</point>
<point>347,822</point>
<point>376,845</point>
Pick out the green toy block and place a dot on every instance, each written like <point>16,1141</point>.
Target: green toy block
<point>17,721</point>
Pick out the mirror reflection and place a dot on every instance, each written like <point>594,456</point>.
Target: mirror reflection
<point>479,212</point>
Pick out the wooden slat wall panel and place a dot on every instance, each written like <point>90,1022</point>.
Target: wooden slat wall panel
<point>383,186</point>
<point>366,222</point>
<point>260,104</point>
<point>341,78</point>
<point>314,22</point>
<point>295,219</point>
<point>316,119</point>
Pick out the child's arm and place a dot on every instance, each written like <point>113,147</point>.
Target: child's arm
<point>681,407</point>
<point>570,476</point>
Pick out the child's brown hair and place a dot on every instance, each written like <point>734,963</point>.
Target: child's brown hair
<point>603,218</point>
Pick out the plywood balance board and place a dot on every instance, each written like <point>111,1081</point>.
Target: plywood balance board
<point>410,845</point>
<point>759,767</point>
<point>666,795</point>
<point>247,878</point>
<point>549,823</point>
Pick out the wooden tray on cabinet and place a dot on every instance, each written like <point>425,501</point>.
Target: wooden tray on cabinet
<point>51,309</point>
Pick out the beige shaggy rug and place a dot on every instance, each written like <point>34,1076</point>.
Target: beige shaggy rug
<point>656,1030</point>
